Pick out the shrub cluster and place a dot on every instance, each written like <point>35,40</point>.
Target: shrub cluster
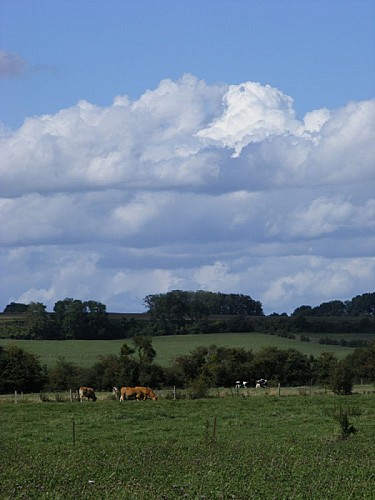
<point>203,368</point>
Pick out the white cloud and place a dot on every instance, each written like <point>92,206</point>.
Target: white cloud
<point>252,113</point>
<point>313,121</point>
<point>327,215</point>
<point>216,278</point>
<point>190,186</point>
<point>320,280</point>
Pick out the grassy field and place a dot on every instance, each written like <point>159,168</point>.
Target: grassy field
<point>260,447</point>
<point>84,352</point>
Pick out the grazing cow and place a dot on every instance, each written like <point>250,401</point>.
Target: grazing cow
<point>261,383</point>
<point>130,393</point>
<point>86,392</point>
<point>239,385</point>
<point>147,393</point>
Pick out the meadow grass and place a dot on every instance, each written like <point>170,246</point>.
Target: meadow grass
<point>85,352</point>
<point>216,448</point>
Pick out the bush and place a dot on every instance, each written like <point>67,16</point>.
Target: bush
<point>198,389</point>
<point>342,379</point>
<point>342,417</point>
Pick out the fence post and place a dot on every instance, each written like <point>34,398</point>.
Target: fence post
<point>174,393</point>
<point>15,396</point>
<point>70,395</point>
<point>278,389</point>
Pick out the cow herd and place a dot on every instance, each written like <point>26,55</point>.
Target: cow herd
<point>260,384</point>
<point>142,393</point>
<point>138,393</point>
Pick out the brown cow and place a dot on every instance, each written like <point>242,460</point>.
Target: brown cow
<point>86,392</point>
<point>147,393</point>
<point>130,393</point>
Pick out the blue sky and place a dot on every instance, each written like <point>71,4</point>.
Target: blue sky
<point>319,52</point>
<point>226,145</point>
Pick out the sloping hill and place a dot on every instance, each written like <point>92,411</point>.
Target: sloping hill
<point>84,352</point>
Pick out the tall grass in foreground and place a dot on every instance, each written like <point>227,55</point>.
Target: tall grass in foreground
<point>259,448</point>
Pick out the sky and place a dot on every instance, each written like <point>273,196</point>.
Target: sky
<point>150,146</point>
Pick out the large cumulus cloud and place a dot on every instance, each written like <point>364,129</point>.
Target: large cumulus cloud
<point>191,186</point>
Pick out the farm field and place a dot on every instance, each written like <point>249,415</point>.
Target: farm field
<point>84,352</point>
<point>260,447</point>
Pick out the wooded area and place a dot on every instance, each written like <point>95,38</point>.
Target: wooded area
<point>203,368</point>
<point>180,312</point>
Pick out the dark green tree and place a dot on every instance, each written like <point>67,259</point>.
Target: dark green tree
<point>362,362</point>
<point>323,368</point>
<point>297,369</point>
<point>342,379</point>
<point>198,308</point>
<point>20,371</point>
<point>362,305</point>
<point>64,375</point>
<point>146,353</point>
<point>70,318</point>
<point>97,322</point>
<point>151,375</point>
<point>332,308</point>
<point>109,371</point>
<point>269,363</point>
<point>302,311</point>
<point>15,308</point>
<point>169,311</point>
<point>38,323</point>
<point>190,366</point>
<point>82,320</point>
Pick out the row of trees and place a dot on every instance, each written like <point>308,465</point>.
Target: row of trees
<point>205,367</point>
<point>195,305</point>
<point>360,305</point>
<point>179,304</point>
<point>188,312</point>
<point>71,319</point>
<point>172,313</point>
<point>180,312</point>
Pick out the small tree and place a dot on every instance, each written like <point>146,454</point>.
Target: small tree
<point>342,417</point>
<point>342,379</point>
<point>64,375</point>
<point>20,371</point>
<point>38,322</point>
<point>198,388</point>
<point>146,352</point>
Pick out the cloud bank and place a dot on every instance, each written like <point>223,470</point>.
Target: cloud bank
<point>192,186</point>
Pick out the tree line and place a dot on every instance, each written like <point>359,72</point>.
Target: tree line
<point>360,305</point>
<point>184,312</point>
<point>201,369</point>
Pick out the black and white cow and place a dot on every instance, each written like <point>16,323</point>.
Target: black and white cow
<point>261,383</point>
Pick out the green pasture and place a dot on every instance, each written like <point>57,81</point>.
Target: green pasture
<point>84,352</point>
<point>233,447</point>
